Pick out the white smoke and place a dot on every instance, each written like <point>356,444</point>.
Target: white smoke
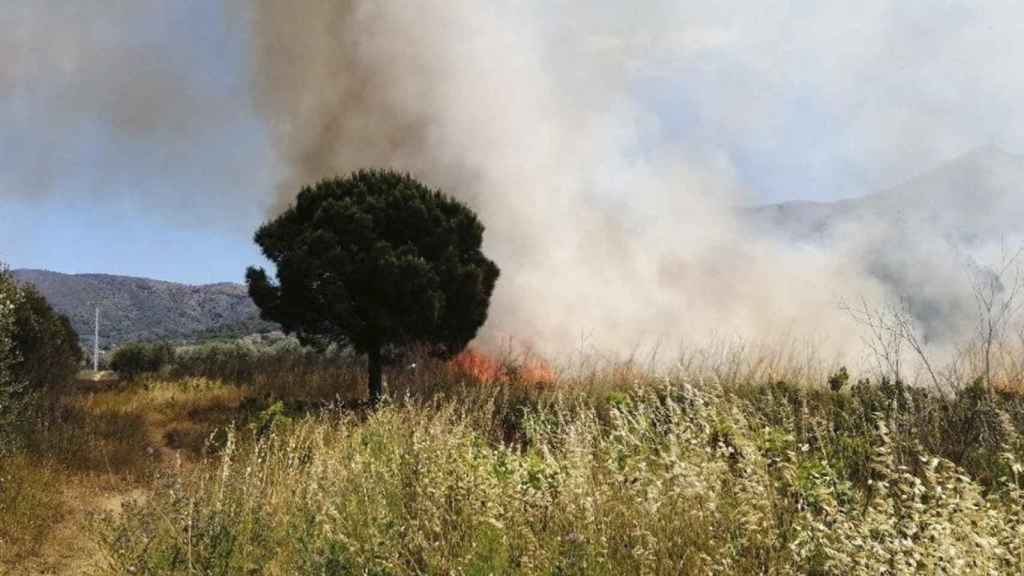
<point>601,236</point>
<point>604,144</point>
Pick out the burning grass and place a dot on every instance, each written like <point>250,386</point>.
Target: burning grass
<point>484,367</point>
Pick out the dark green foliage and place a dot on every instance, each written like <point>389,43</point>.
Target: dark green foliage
<point>48,350</point>
<point>10,387</point>
<point>39,355</point>
<point>134,359</point>
<point>838,380</point>
<point>376,261</point>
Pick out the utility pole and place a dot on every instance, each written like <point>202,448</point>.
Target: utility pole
<point>96,345</point>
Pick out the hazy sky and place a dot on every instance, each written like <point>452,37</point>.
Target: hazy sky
<point>129,141</point>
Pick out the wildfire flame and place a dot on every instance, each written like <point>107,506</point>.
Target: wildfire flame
<point>486,368</point>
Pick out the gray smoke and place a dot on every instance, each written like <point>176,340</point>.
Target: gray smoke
<point>106,100</point>
<point>602,242</point>
<point>615,228</point>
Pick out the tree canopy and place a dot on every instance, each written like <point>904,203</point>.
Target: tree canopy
<point>46,343</point>
<point>375,260</point>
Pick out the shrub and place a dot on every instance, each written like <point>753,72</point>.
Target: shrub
<point>47,345</point>
<point>38,352</point>
<point>138,358</point>
<point>10,386</point>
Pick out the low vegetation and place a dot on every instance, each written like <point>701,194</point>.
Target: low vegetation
<point>728,467</point>
<point>137,358</point>
<point>616,474</point>
<point>727,463</point>
<point>262,456</point>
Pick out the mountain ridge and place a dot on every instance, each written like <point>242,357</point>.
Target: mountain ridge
<point>970,196</point>
<point>136,308</point>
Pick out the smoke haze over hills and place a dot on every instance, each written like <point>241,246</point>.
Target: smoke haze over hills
<point>604,146</point>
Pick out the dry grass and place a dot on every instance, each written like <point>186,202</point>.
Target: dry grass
<point>27,489</point>
<point>80,457</point>
<point>628,474</point>
<point>739,460</point>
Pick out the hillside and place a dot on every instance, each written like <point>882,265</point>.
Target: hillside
<point>144,309</point>
<point>971,199</point>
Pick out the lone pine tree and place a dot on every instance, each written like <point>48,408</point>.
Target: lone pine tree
<point>375,260</point>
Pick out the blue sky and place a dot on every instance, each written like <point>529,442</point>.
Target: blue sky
<point>129,143</point>
<point>84,193</point>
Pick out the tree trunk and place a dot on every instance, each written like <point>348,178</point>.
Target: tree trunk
<point>376,379</point>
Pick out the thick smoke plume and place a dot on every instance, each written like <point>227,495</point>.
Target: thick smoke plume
<point>605,144</point>
<point>603,242</point>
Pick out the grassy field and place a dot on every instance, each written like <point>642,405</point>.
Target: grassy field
<point>81,458</point>
<point>729,465</point>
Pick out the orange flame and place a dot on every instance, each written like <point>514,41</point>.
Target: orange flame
<point>485,368</point>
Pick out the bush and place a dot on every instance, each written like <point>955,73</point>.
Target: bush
<point>10,386</point>
<point>138,358</point>
<point>47,345</point>
<point>39,352</point>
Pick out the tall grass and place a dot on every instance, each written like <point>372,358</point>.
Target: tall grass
<point>27,493</point>
<point>87,449</point>
<point>640,475</point>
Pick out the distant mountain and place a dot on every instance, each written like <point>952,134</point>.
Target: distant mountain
<point>973,198</point>
<point>142,309</point>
